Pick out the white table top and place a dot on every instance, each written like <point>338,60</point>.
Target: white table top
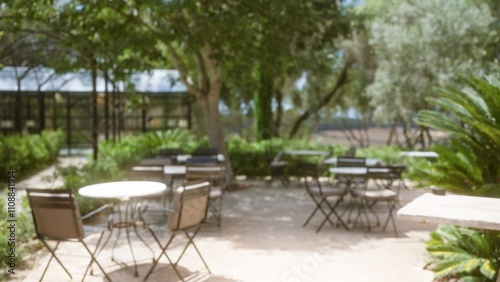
<point>368,161</point>
<point>306,153</point>
<point>469,211</point>
<point>122,190</point>
<point>174,169</point>
<point>418,154</point>
<point>184,158</point>
<point>349,170</point>
<point>147,168</point>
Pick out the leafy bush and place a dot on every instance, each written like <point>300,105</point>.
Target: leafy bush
<point>469,163</point>
<point>25,232</point>
<point>463,253</point>
<point>114,157</point>
<point>388,154</point>
<point>26,153</point>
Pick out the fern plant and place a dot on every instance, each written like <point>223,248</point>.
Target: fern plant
<point>471,115</point>
<point>463,254</point>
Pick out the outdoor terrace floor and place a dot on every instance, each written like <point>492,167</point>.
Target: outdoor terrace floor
<point>262,239</point>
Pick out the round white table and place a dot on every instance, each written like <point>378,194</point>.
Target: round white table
<point>368,161</point>
<point>350,171</point>
<point>123,192</point>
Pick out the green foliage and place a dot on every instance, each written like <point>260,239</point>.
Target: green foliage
<point>420,45</point>
<point>25,153</point>
<point>468,163</point>
<point>464,254</point>
<point>252,158</point>
<point>114,157</point>
<point>388,154</point>
<point>24,245</point>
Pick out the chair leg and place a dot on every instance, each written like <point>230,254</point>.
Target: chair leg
<point>333,212</point>
<point>392,207</point>
<point>163,252</point>
<point>216,211</point>
<point>53,255</point>
<point>191,237</point>
<point>318,207</point>
<point>93,258</point>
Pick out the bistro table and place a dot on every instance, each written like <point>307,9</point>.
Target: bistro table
<point>122,192</point>
<point>469,211</point>
<point>307,153</point>
<point>183,158</point>
<point>419,154</point>
<point>349,171</point>
<point>368,161</point>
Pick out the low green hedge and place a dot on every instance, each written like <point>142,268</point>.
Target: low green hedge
<point>25,153</point>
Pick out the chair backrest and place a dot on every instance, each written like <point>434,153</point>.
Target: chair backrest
<point>205,152</point>
<point>156,161</point>
<point>214,173</point>
<point>350,153</point>
<point>170,152</point>
<point>384,172</point>
<point>351,162</point>
<point>387,174</point>
<point>311,173</point>
<point>55,214</point>
<point>202,160</point>
<point>146,172</point>
<point>190,205</point>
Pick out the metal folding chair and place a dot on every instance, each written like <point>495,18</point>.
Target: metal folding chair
<point>189,212</point>
<point>322,193</point>
<point>381,191</point>
<point>215,174</point>
<point>56,217</point>
<point>154,203</point>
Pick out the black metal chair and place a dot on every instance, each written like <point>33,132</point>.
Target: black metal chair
<point>189,212</point>
<point>367,196</point>
<point>277,167</point>
<point>205,152</point>
<point>56,217</point>
<point>322,194</point>
<point>153,204</point>
<point>202,160</point>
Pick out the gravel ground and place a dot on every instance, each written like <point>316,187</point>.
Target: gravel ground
<point>262,239</point>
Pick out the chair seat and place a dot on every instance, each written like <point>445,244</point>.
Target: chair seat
<point>328,191</point>
<point>376,195</point>
<point>279,163</point>
<point>215,192</point>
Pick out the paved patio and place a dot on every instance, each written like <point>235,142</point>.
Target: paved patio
<point>262,239</point>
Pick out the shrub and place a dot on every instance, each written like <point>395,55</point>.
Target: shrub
<point>464,254</point>
<point>24,245</point>
<point>26,153</point>
<point>468,164</point>
<point>114,157</point>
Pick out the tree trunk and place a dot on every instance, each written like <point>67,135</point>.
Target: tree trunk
<point>315,107</point>
<point>215,131</point>
<point>95,120</point>
<point>392,134</point>
<point>279,112</point>
<point>263,106</point>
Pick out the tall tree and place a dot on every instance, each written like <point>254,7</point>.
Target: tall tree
<point>420,45</point>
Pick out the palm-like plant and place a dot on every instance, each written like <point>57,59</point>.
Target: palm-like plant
<point>463,254</point>
<point>471,115</point>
